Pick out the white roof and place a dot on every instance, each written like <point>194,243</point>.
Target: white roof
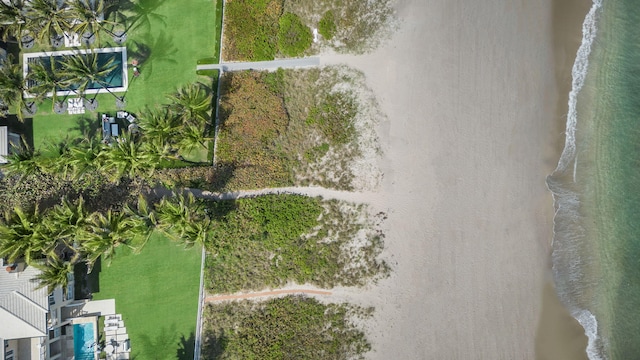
<point>4,144</point>
<point>23,309</point>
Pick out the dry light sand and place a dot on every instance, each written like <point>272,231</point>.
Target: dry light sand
<point>472,99</point>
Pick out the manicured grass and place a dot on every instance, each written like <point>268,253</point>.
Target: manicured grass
<point>174,46</point>
<point>156,292</point>
<point>181,33</point>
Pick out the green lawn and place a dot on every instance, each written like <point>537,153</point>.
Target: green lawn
<point>177,34</point>
<point>156,292</point>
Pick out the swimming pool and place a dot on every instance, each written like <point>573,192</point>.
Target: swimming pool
<point>117,79</point>
<point>84,341</point>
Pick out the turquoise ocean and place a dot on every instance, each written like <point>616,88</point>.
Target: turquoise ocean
<point>596,186</point>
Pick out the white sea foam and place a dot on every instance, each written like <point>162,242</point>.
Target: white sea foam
<point>579,73</point>
<point>568,231</point>
<point>590,325</point>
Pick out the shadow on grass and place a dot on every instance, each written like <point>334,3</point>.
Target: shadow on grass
<point>186,347</point>
<point>159,347</point>
<point>145,12</point>
<point>153,49</point>
<point>87,283</point>
<point>88,127</point>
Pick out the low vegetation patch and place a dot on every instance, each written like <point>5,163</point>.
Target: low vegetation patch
<point>252,117</point>
<point>293,327</point>
<point>327,25</point>
<point>251,29</point>
<point>346,26</point>
<point>297,127</point>
<point>262,29</point>
<point>271,240</point>
<point>294,37</point>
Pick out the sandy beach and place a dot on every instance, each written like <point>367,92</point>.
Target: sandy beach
<point>474,95</point>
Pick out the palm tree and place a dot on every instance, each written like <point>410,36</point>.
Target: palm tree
<point>45,79</point>
<point>159,126</point>
<point>127,157</point>
<point>83,70</point>
<point>89,16</point>
<point>67,222</point>
<point>83,157</point>
<point>143,221</point>
<point>192,103</point>
<point>182,219</point>
<point>50,19</point>
<point>192,234</point>
<point>105,233</point>
<point>13,87</point>
<point>193,137</point>
<point>55,161</point>
<point>22,235</point>
<point>13,19</point>
<point>24,161</point>
<point>54,272</point>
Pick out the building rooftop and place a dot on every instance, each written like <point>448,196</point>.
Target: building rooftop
<point>23,308</point>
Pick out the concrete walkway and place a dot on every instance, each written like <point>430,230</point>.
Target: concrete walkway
<point>263,65</point>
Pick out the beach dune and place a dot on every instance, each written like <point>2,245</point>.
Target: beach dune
<point>471,97</point>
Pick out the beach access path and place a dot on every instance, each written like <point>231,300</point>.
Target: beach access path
<point>263,65</point>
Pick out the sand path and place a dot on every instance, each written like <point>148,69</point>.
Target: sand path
<point>263,65</point>
<point>266,294</point>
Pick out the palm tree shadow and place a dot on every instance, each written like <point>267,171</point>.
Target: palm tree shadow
<point>153,50</point>
<point>160,347</point>
<point>145,13</point>
<point>223,173</point>
<point>186,347</point>
<point>213,347</point>
<point>87,127</point>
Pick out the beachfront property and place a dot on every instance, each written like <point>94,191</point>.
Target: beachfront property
<point>36,324</point>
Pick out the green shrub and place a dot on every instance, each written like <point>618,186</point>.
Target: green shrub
<point>294,327</point>
<point>327,25</point>
<point>334,116</point>
<point>294,37</point>
<point>316,153</point>
<point>251,29</point>
<point>271,240</point>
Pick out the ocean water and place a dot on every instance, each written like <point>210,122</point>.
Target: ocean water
<point>596,186</point>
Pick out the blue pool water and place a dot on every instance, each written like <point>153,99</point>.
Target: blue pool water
<point>114,78</point>
<point>83,341</point>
